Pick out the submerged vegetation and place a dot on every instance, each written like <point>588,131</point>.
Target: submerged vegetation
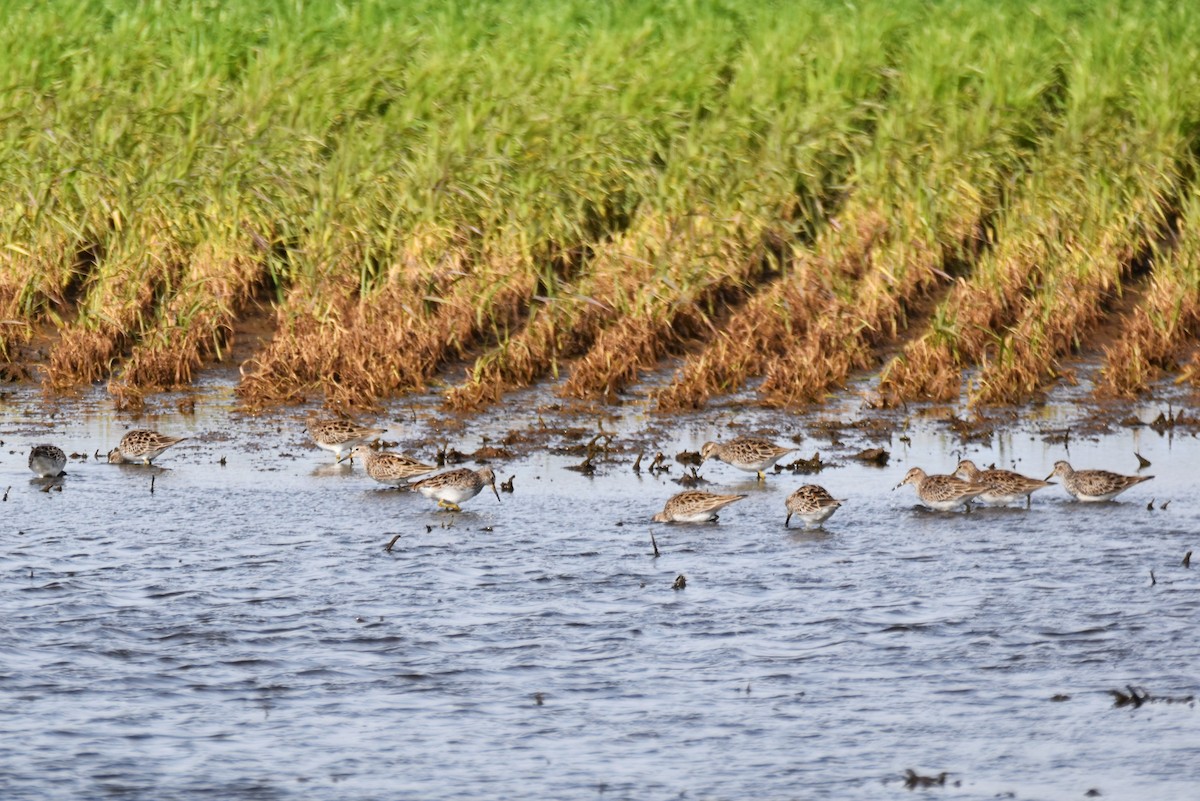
<point>777,195</point>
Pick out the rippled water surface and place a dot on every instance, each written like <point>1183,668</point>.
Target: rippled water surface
<point>241,632</point>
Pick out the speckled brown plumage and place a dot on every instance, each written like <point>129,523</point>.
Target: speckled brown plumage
<point>390,468</point>
<point>752,454</point>
<point>47,461</point>
<point>694,506</point>
<point>1094,485</point>
<point>455,486</point>
<point>1004,486</point>
<point>141,446</point>
<point>341,436</point>
<point>811,503</point>
<point>941,492</point>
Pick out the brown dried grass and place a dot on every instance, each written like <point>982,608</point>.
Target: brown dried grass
<point>560,327</point>
<point>357,350</point>
<point>197,323</point>
<point>1155,336</point>
<point>701,267</point>
<point>869,312</point>
<point>967,323</point>
<point>769,324</point>
<point>117,310</point>
<point>1069,303</point>
<point>39,283</point>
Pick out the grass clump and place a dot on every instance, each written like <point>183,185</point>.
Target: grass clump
<point>578,191</point>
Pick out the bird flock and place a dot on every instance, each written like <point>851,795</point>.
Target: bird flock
<point>812,504</point>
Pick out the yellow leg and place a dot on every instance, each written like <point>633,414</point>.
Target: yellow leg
<point>762,476</point>
<point>449,506</point>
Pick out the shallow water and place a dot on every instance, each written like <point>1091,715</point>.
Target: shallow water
<point>240,632</point>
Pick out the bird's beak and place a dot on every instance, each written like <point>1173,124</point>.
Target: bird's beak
<point>495,491</point>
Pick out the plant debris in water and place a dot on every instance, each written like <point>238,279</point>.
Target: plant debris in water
<point>1136,697</point>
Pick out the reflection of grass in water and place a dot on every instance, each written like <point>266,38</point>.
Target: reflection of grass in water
<point>557,189</point>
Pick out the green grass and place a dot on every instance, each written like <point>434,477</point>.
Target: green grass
<point>398,181</point>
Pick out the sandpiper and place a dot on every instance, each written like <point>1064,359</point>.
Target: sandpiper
<point>943,493</point>
<point>340,436</point>
<point>141,446</point>
<point>1003,486</point>
<point>694,506</point>
<point>812,503</point>
<point>1094,485</point>
<point>390,468</point>
<point>47,461</point>
<point>752,454</point>
<point>455,486</point>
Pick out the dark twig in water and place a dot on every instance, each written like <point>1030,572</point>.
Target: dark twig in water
<point>152,484</point>
<point>810,465</point>
<point>680,582</point>
<point>1153,580</point>
<point>1134,698</point>
<point>637,463</point>
<point>1187,557</point>
<point>391,542</point>
<point>659,464</point>
<point>1138,696</point>
<point>1163,505</point>
<point>913,780</point>
<point>1063,438</point>
<point>592,448</point>
<point>657,554</point>
<point>586,467</point>
<point>6,489</point>
<point>1150,506</point>
<point>1142,460</point>
<point>692,478</point>
<point>875,456</point>
<point>507,486</point>
<point>222,461</point>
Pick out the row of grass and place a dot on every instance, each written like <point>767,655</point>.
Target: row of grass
<point>1090,213</point>
<point>576,190</point>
